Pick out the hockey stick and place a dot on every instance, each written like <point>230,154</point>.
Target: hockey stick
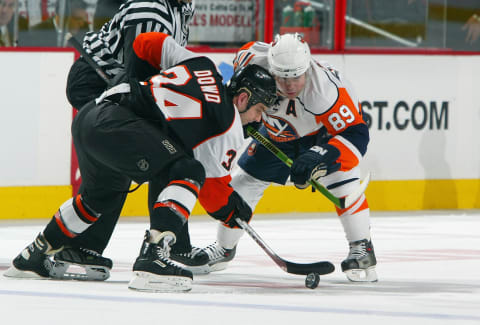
<point>342,203</point>
<point>73,41</point>
<point>323,267</point>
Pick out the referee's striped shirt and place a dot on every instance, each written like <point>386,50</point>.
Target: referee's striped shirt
<point>167,16</point>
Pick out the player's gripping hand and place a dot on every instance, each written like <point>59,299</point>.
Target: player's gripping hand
<point>317,162</point>
<point>235,208</point>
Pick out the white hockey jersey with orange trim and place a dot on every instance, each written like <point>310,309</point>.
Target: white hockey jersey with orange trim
<point>327,101</point>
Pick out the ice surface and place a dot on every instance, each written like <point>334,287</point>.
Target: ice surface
<point>428,268</point>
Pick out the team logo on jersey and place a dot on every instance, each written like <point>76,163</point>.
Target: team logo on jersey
<point>252,149</point>
<point>280,130</point>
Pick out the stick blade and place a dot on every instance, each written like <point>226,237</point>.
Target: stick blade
<point>304,269</point>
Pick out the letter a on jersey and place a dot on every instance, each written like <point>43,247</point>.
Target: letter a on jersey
<point>291,108</point>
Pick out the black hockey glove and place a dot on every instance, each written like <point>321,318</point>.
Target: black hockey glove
<point>317,162</point>
<point>235,208</point>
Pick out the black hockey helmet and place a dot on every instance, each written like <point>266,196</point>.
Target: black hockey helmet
<point>257,82</point>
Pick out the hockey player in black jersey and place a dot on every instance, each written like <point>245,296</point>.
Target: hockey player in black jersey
<point>111,48</point>
<point>180,130</point>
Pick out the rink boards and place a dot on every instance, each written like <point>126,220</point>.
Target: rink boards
<point>422,109</point>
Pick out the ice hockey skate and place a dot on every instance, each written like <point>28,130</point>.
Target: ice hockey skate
<point>80,264</point>
<point>33,262</point>
<point>154,271</point>
<point>219,256</point>
<point>196,260</point>
<point>360,264</point>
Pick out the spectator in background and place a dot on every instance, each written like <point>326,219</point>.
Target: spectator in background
<point>454,25</point>
<point>7,9</point>
<point>46,23</point>
<point>33,12</point>
<point>472,28</point>
<point>105,10</point>
<point>403,18</point>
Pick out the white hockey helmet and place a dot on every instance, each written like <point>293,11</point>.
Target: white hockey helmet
<point>289,56</point>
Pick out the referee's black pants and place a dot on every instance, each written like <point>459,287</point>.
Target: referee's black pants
<point>83,84</point>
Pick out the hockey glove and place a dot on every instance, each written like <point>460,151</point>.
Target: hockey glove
<point>235,208</point>
<point>317,162</point>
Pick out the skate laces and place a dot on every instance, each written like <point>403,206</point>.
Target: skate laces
<point>191,254</point>
<point>196,251</point>
<point>162,249</point>
<point>358,250</point>
<point>215,251</point>
<point>163,253</point>
<point>89,252</point>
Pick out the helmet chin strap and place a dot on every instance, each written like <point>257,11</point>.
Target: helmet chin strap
<point>245,110</point>
<point>238,109</point>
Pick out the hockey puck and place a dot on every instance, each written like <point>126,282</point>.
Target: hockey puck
<point>312,280</point>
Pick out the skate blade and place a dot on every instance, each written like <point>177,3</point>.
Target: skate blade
<point>79,272</point>
<point>218,266</point>
<point>149,282</point>
<point>197,270</point>
<point>13,272</point>
<point>362,275</point>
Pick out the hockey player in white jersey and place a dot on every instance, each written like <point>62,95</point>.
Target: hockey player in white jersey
<point>317,121</point>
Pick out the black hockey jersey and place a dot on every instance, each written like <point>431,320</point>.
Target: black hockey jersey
<point>192,100</point>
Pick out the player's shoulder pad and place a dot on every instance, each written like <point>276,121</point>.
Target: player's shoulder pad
<point>322,89</point>
<point>202,63</point>
<point>148,47</point>
<point>252,53</point>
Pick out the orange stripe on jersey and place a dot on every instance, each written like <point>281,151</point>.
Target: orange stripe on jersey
<point>173,206</point>
<point>341,115</point>
<point>228,218</point>
<point>347,159</point>
<point>362,207</point>
<point>187,184</point>
<point>248,61</point>
<point>83,211</point>
<point>246,46</point>
<point>62,227</point>
<point>148,47</point>
<point>240,57</point>
<point>215,192</point>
